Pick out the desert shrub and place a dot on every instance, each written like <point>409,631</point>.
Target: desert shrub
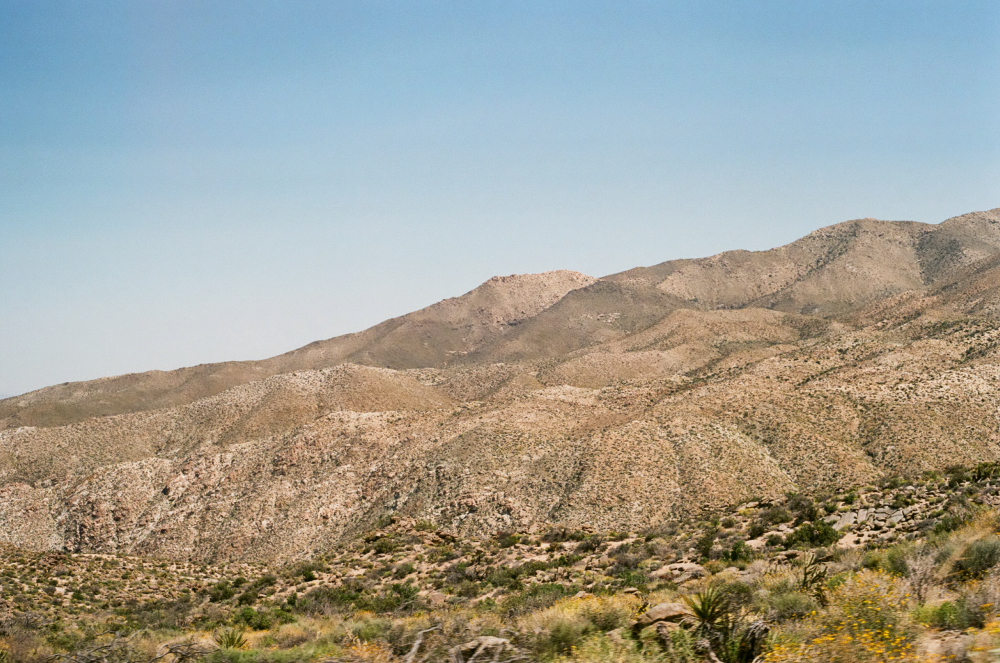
<point>158,614</point>
<point>607,613</point>
<point>561,534</point>
<point>704,544</point>
<point>951,615</point>
<point>441,554</point>
<point>756,529</point>
<point>789,605</point>
<point>601,649</point>
<point>561,636</point>
<point>866,621</point>
<point>896,559</point>
<point>634,578</point>
<point>893,482</point>
<point>956,474</point>
<point>507,539</point>
<point>293,635</point>
<point>740,552</point>
<point>371,629</point>
<point>261,620</point>
<point>248,597</point>
<point>819,533</point>
<point>563,626</point>
<point>775,515</point>
<point>625,562</point>
<point>510,576</point>
<point>951,522</point>
<point>329,599</point>
<point>537,597</point>
<point>984,471</point>
<point>590,544</point>
<point>979,557</point>
<point>403,570</point>
<point>804,508</point>
<point>221,591</point>
<point>390,599</point>
<point>681,648</point>
<point>385,545</point>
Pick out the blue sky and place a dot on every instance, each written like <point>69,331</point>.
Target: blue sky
<point>184,182</point>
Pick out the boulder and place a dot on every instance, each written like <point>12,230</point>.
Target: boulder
<point>680,572</point>
<point>662,612</point>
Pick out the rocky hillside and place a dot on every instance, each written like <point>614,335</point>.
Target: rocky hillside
<point>864,350</point>
<point>913,561</point>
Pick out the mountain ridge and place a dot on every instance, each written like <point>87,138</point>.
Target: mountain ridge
<point>866,349</point>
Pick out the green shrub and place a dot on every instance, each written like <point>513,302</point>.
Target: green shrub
<point>538,597</point>
<point>705,542</point>
<point>740,552</point>
<point>508,539</point>
<point>776,515</point>
<point>561,637</point>
<point>803,508</point>
<point>951,522</point>
<point>259,621</point>
<point>789,605</point>
<point>403,570</point>
<point>372,630</point>
<point>819,533</point>
<point>951,615</point>
<point>248,597</point>
<point>385,545</point>
<point>221,591</point>
<point>590,544</point>
<point>979,557</point>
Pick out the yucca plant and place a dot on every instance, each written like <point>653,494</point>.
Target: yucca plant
<point>230,638</point>
<point>721,628</point>
<point>710,610</point>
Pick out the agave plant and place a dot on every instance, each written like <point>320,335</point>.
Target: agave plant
<point>230,638</point>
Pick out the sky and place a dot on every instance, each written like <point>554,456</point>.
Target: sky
<point>186,182</point>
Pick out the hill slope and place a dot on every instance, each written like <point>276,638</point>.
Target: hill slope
<point>862,350</point>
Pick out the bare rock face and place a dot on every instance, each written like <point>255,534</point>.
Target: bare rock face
<point>866,349</point>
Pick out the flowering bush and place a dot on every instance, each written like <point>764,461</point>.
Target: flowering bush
<point>866,621</point>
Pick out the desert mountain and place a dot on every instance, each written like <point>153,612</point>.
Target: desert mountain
<point>864,349</point>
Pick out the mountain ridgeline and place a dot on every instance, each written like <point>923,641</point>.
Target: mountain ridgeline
<point>865,349</point>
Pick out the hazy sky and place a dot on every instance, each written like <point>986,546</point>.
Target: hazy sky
<point>185,182</point>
